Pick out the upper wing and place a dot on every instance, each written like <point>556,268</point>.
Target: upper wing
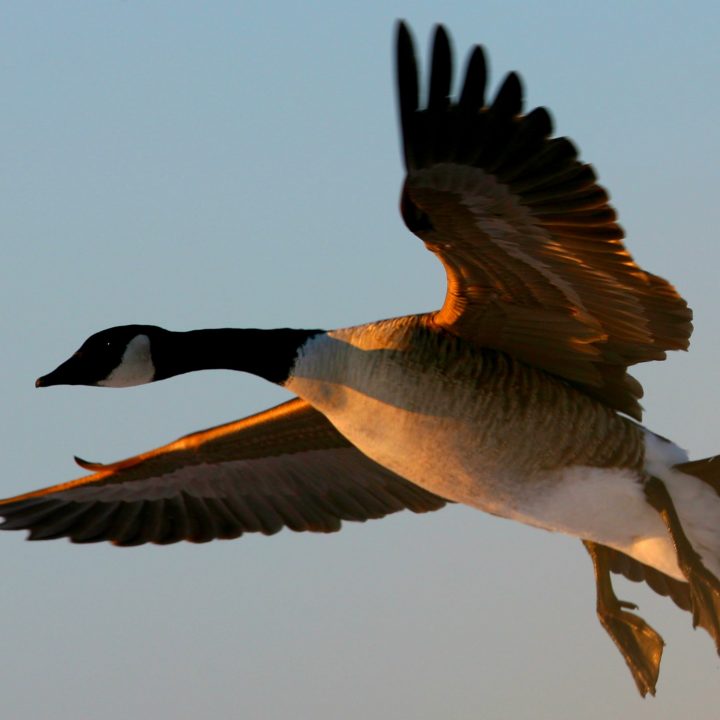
<point>285,467</point>
<point>534,259</point>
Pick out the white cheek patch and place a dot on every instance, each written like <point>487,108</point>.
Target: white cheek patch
<point>136,366</point>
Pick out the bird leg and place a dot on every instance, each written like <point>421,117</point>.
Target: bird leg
<point>704,586</point>
<point>638,643</point>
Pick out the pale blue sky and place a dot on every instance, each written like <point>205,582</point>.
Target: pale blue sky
<point>218,164</point>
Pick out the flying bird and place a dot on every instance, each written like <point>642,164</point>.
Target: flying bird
<point>514,397</point>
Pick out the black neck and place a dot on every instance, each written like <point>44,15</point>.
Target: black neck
<point>270,354</point>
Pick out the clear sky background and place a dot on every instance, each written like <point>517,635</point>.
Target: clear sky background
<point>220,164</point>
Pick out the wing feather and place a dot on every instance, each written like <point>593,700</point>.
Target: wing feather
<point>285,467</point>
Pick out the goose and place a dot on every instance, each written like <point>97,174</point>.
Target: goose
<point>513,398</point>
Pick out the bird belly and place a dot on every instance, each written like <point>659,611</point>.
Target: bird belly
<point>606,505</point>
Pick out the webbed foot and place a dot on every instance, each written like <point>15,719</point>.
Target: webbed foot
<point>640,645</point>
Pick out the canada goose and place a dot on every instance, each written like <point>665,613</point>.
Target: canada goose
<point>513,398</point>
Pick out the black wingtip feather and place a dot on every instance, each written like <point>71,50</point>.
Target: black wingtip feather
<point>407,88</point>
<point>407,73</point>
<point>531,133</point>
<point>440,71</point>
<point>472,97</point>
<point>509,99</point>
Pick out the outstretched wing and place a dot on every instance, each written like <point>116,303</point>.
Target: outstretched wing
<point>533,254</point>
<point>285,467</point>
